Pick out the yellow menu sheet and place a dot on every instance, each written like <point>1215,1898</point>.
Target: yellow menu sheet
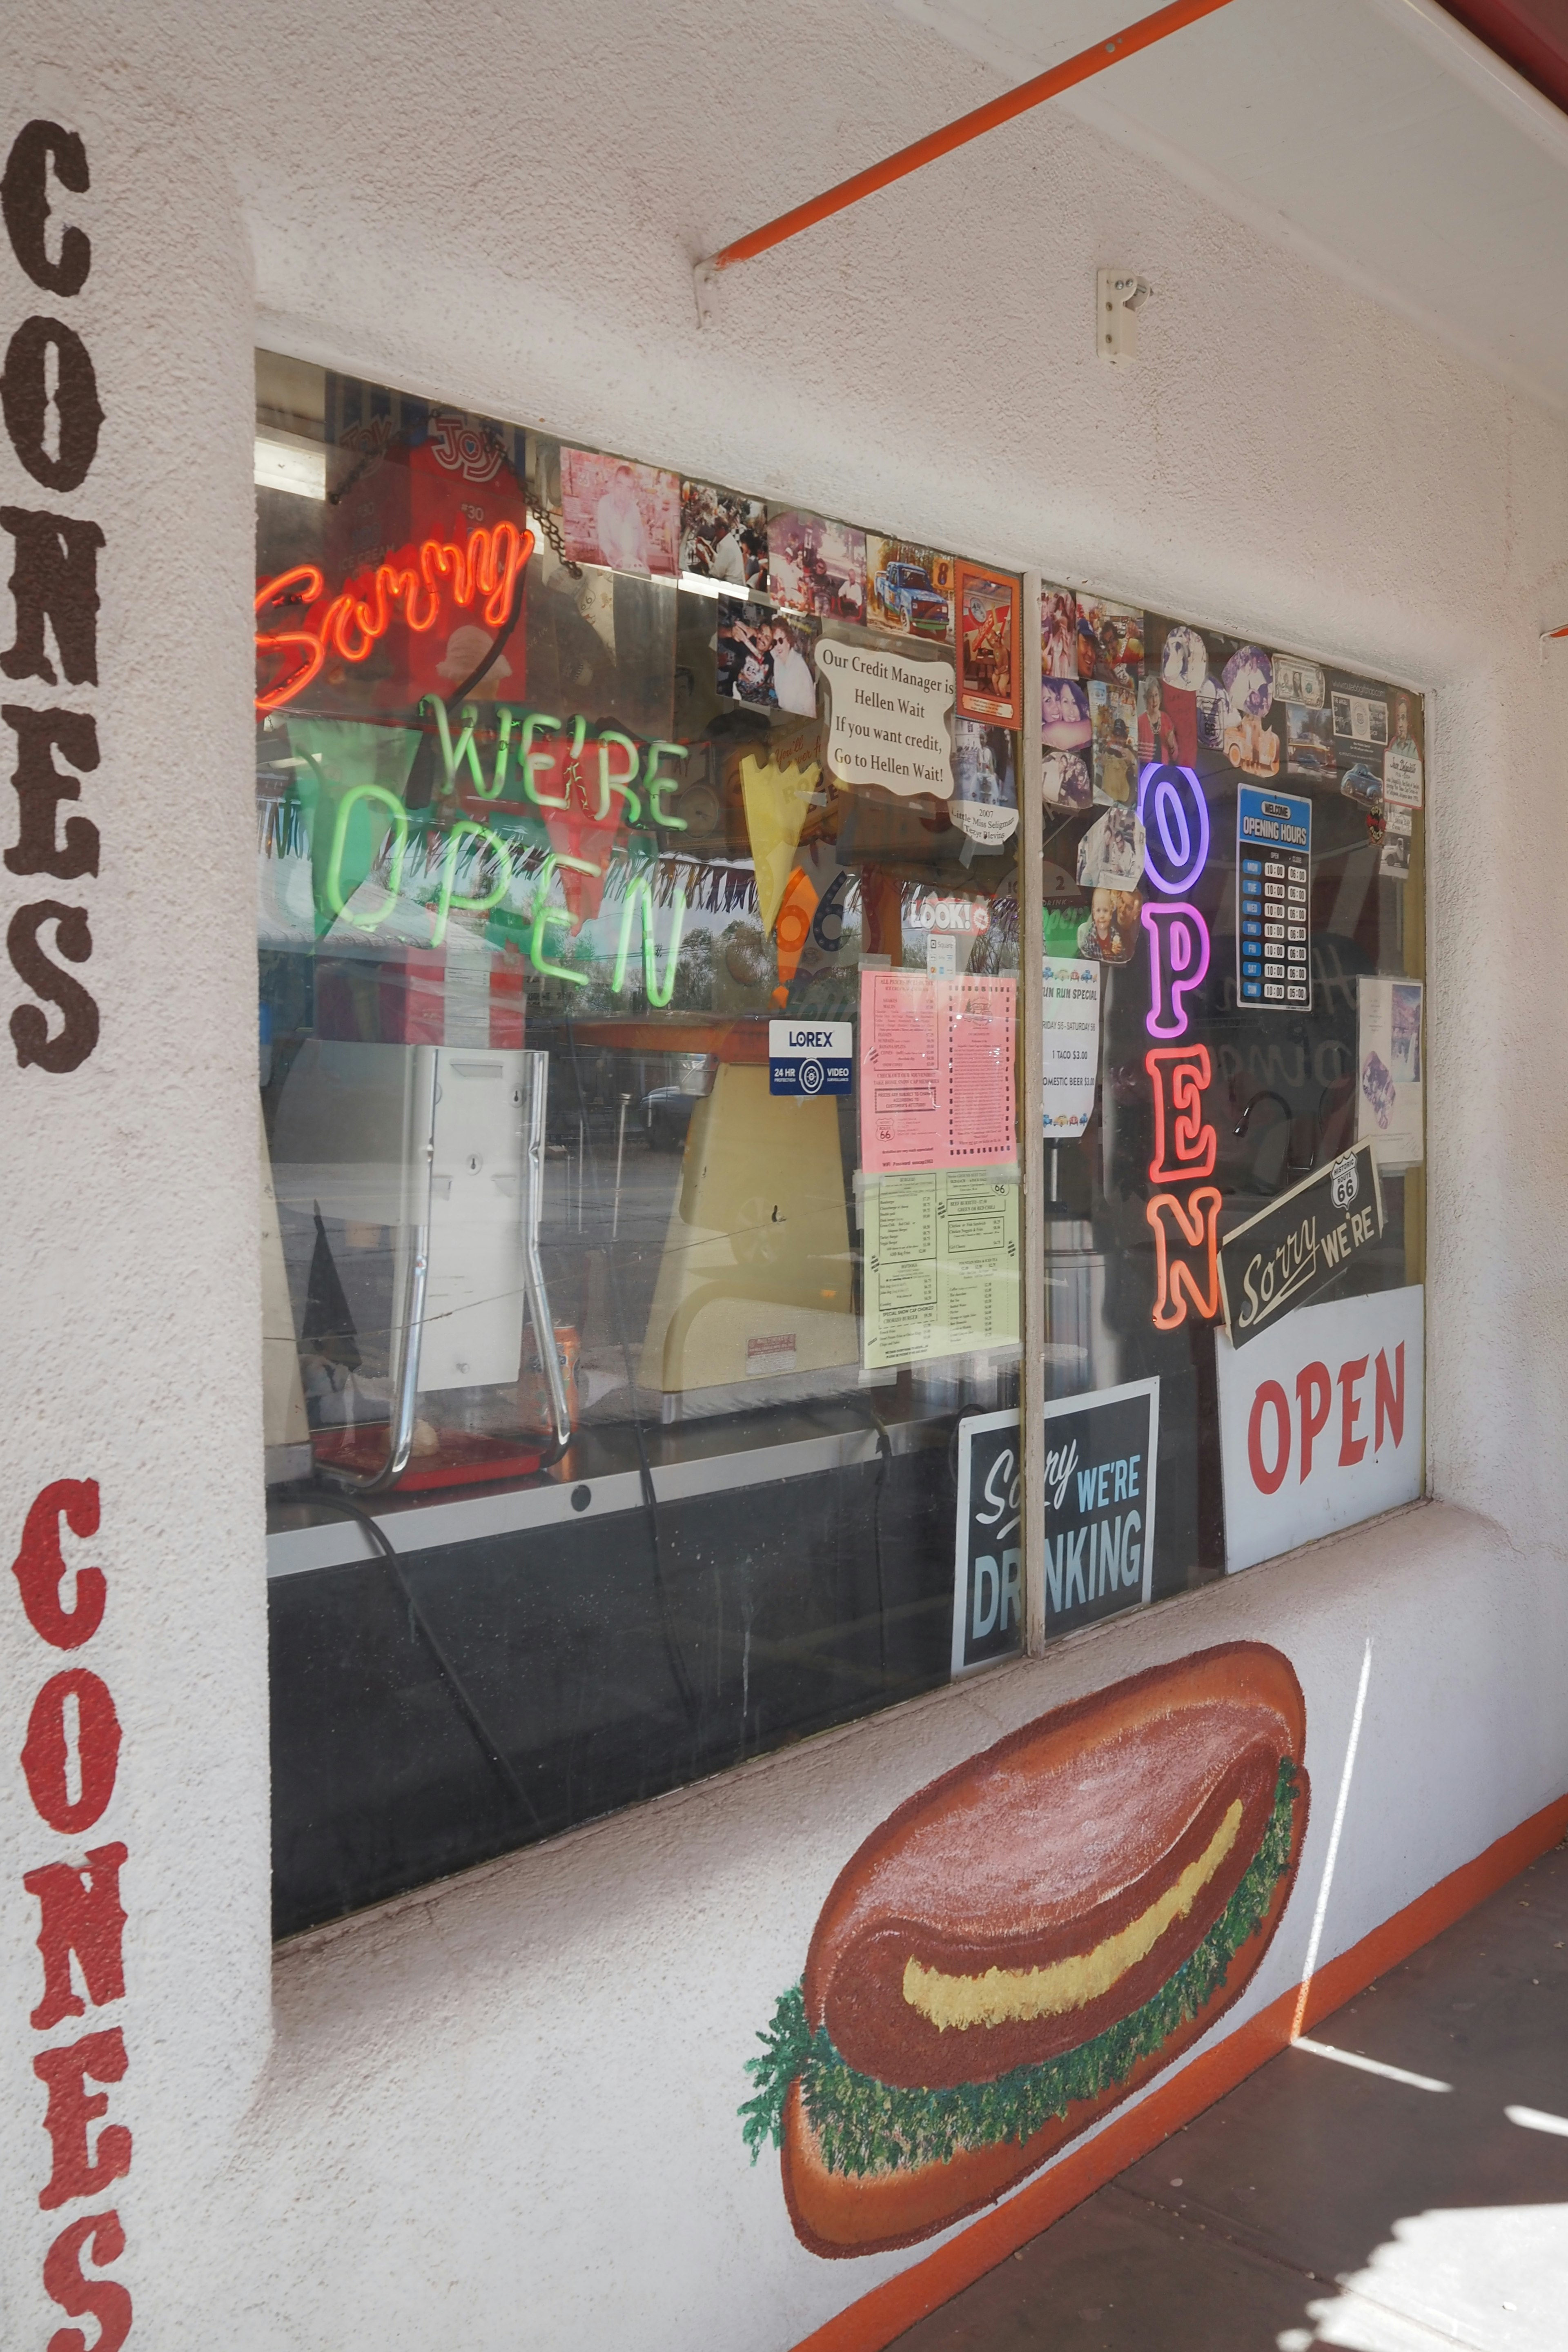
<point>941,1266</point>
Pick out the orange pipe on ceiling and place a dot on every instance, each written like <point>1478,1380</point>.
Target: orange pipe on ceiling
<point>1082,68</point>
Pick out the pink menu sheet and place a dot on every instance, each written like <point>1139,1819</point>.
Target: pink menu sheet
<point>937,1077</point>
<point>982,1093</point>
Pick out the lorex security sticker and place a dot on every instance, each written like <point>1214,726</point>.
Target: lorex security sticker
<point>810,1058</point>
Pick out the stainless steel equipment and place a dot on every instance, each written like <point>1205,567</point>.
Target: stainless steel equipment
<point>428,1162</point>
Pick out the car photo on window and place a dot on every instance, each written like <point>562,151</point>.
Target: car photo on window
<point>906,589</point>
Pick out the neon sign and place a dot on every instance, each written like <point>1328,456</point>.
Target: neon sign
<point>488,565</point>
<point>1194,1220</point>
<point>450,900</point>
<point>564,761</point>
<point>1184,1143</point>
<point>1175,820</point>
<point>1177,817</point>
<point>1178,959</point>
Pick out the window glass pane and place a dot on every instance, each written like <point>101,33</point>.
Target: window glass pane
<point>1233,943</point>
<point>639,921</point>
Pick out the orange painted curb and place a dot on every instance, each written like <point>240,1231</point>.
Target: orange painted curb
<point>881,2317</point>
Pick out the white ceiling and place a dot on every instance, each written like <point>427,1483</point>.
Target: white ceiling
<point>1376,135</point>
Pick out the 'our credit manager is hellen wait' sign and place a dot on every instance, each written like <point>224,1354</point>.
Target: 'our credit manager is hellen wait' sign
<point>810,1058</point>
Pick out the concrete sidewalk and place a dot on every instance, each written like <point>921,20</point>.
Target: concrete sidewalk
<point>1398,2182</point>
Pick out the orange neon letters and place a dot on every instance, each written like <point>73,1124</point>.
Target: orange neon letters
<point>1196,1221</point>
<point>1184,1143</point>
<point>1184,1148</point>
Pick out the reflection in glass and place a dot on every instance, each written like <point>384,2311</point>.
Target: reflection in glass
<point>565,1269</point>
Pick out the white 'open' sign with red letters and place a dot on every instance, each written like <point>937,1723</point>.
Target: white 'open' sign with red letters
<point>1320,1422</point>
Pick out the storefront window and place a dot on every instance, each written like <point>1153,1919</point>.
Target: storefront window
<point>638,950</point>
<point>660,1363</point>
<point>1232,1057</point>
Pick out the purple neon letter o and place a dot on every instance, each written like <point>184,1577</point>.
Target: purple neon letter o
<point>1175,820</point>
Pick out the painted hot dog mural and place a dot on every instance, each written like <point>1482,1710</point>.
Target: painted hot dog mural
<point>1026,1941</point>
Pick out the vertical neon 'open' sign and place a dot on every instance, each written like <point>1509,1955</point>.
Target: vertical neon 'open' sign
<point>1175,820</point>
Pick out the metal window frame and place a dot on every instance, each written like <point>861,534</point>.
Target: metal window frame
<point>1031,1138</point>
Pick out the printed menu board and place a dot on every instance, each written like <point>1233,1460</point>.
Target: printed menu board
<point>941,1266</point>
<point>937,1077</point>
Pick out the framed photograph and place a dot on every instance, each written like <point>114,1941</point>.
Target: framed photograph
<point>985,804</point>
<point>1113,712</point>
<point>1110,853</point>
<point>724,537</point>
<point>1063,780</point>
<point>1111,933</point>
<point>1110,639</point>
<point>623,516</point>
<point>1156,736</point>
<point>1184,658</point>
<point>790,653</point>
<point>909,589</point>
<point>763,657</point>
<point>987,607</point>
<point>1058,633</point>
<point>1402,760</point>
<point>1065,721</point>
<point>816,567</point>
<point>1394,858</point>
<point>1310,742</point>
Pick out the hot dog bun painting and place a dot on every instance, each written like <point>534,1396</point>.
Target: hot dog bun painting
<point>1025,1942</point>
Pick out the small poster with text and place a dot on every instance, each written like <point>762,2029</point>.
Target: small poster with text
<point>941,1266</point>
<point>1070,1046</point>
<point>887,719</point>
<point>1320,1422</point>
<point>1389,1088</point>
<point>937,1075</point>
<point>1099,1460</point>
<point>988,1581</point>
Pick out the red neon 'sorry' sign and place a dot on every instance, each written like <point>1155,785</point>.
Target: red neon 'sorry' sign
<point>1175,818</point>
<point>489,565</point>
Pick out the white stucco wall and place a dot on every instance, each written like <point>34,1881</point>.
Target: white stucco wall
<point>504,2113</point>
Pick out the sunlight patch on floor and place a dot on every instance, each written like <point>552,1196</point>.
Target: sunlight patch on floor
<point>1490,2278</point>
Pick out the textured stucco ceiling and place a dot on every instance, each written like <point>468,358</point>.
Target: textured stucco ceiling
<point>1378,135</point>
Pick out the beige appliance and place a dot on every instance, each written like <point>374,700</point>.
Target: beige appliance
<point>754,1288</point>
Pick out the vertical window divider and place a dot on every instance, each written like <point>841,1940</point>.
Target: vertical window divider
<point>1032,1149</point>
